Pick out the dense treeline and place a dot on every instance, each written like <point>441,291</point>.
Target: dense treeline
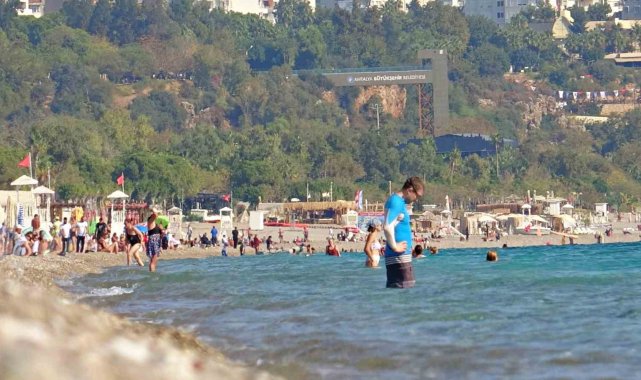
<point>182,100</point>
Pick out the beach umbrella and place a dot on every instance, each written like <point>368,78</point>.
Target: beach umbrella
<point>486,219</point>
<point>142,227</point>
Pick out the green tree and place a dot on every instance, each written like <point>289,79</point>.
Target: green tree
<point>122,28</point>
<point>77,13</point>
<point>100,19</point>
<point>161,108</point>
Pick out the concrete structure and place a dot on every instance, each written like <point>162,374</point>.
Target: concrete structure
<point>35,8</point>
<point>499,11</point>
<point>631,9</point>
<point>430,76</point>
<point>469,143</point>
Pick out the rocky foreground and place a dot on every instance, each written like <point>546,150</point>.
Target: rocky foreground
<point>45,334</point>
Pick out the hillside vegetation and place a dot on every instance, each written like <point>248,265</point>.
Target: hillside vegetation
<point>183,100</point>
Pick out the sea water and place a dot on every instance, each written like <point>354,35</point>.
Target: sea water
<point>539,312</point>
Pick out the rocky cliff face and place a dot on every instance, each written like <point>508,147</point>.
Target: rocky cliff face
<point>393,98</point>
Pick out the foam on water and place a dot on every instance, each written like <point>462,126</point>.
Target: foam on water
<point>539,312</point>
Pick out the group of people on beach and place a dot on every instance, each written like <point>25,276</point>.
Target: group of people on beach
<point>73,235</point>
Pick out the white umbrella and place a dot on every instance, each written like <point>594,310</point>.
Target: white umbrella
<point>526,206</point>
<point>42,190</point>
<point>486,219</point>
<point>567,206</point>
<point>117,195</point>
<point>24,180</point>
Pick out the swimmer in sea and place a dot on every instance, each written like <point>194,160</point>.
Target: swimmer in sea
<point>372,245</point>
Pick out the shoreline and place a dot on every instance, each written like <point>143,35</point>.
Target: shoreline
<point>39,319</point>
<point>46,333</point>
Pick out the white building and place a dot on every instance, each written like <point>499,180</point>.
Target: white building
<point>262,8</point>
<point>499,11</point>
<point>33,8</point>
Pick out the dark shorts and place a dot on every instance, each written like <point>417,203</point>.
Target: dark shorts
<point>400,275</point>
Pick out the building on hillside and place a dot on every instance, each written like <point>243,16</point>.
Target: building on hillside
<point>468,144</point>
<point>349,4</point>
<point>559,29</point>
<point>625,59</point>
<point>262,8</point>
<point>499,11</point>
<point>623,24</point>
<point>631,10</point>
<point>35,8</point>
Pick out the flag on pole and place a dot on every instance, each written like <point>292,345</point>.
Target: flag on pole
<point>121,180</point>
<point>360,200</point>
<point>226,197</point>
<point>26,161</point>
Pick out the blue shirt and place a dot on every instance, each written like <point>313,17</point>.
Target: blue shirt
<point>395,206</point>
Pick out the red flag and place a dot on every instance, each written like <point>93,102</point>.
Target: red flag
<point>26,161</point>
<point>227,197</point>
<point>121,180</point>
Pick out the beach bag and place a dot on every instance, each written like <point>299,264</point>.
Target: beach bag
<point>165,242</point>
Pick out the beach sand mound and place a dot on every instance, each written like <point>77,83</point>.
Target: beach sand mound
<point>44,335</point>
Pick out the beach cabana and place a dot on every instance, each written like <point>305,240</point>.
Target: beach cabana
<point>118,215</point>
<point>525,208</point>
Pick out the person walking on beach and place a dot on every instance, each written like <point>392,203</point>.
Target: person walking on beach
<point>372,245</point>
<point>190,231</point>
<point>214,236</point>
<point>154,243</point>
<point>280,236</point>
<point>398,234</point>
<point>135,240</point>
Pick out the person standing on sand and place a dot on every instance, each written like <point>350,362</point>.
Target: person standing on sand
<point>135,240</point>
<point>81,232</point>
<point>398,234</point>
<point>234,236</point>
<point>280,236</point>
<point>372,245</point>
<point>154,243</point>
<point>65,234</point>
<point>190,231</point>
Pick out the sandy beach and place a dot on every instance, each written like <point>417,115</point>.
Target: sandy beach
<point>47,333</point>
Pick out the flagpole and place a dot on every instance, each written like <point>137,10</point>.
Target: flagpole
<point>30,165</point>
<point>122,174</point>
<point>307,193</point>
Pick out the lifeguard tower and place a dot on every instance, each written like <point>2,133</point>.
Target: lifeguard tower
<point>175,221</point>
<point>118,214</point>
<point>226,219</point>
<point>43,197</point>
<point>25,208</point>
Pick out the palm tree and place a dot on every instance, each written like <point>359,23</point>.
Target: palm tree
<point>496,139</point>
<point>455,161</point>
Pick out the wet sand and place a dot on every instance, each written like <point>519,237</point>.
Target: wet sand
<point>46,333</point>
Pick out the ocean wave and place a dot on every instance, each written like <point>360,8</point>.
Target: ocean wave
<point>110,292</point>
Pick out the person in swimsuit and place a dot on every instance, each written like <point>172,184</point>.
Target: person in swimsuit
<point>154,242</point>
<point>372,245</point>
<point>398,234</point>
<point>135,240</point>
